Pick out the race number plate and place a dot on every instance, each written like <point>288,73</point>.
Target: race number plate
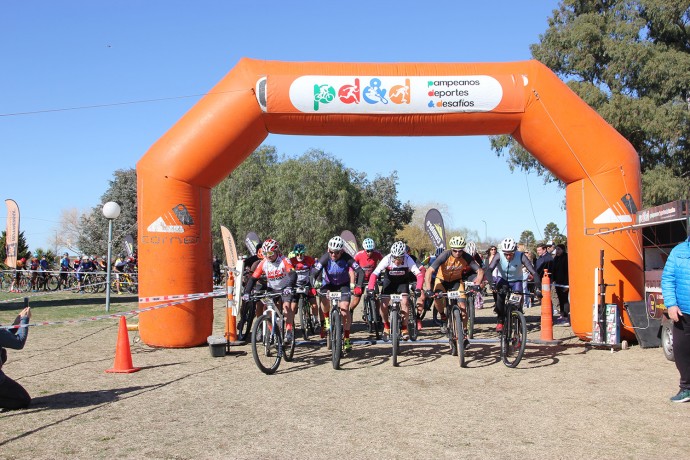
<point>514,298</point>
<point>396,297</point>
<point>453,295</point>
<point>334,295</point>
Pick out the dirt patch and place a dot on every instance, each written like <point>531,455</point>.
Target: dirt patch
<point>567,401</point>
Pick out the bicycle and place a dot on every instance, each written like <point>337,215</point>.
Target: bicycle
<point>514,334</point>
<point>470,294</point>
<point>334,338</point>
<point>371,315</point>
<point>395,318</point>
<point>308,322</point>
<point>246,319</point>
<point>457,336</point>
<point>268,334</point>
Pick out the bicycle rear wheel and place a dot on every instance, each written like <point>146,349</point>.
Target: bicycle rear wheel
<point>336,334</point>
<point>266,346</point>
<point>514,339</point>
<point>470,316</point>
<point>395,335</point>
<point>459,336</point>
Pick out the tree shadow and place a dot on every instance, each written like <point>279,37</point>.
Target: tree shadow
<point>91,400</point>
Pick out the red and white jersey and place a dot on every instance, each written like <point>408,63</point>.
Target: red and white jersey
<point>276,272</point>
<point>368,262</point>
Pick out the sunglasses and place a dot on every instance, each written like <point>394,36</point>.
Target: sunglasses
<point>269,253</point>
<point>398,259</point>
<point>334,252</point>
<point>456,250</point>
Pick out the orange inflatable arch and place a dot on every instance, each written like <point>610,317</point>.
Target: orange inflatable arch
<point>523,99</point>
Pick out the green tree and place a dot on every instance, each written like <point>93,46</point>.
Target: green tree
<point>552,233</point>
<point>22,248</point>
<point>630,61</point>
<point>528,240</point>
<point>93,239</point>
<point>307,199</point>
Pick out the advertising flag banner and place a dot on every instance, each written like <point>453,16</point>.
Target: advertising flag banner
<point>128,244</point>
<point>433,224</point>
<point>230,248</point>
<point>251,240</point>
<point>12,235</point>
<point>350,242</point>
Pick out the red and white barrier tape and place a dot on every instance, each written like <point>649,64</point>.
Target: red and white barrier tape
<point>183,298</point>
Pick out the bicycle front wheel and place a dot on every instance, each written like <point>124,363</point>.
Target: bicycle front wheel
<point>395,335</point>
<point>459,336</point>
<point>52,283</point>
<point>336,334</point>
<point>303,317</point>
<point>514,339</point>
<point>266,346</point>
<point>289,348</point>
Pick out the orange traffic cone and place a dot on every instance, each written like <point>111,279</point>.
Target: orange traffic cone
<point>123,355</point>
<point>546,313</point>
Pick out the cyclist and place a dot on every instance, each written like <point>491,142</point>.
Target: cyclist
<point>470,275</point>
<point>509,264</point>
<point>84,266</point>
<point>21,266</point>
<point>368,258</point>
<point>448,268</point>
<point>303,266</point>
<point>339,272</point>
<point>396,268</point>
<point>65,267</point>
<point>119,267</point>
<point>280,278</point>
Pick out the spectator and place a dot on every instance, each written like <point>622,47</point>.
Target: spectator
<point>675,287</point>
<point>560,279</point>
<point>21,265</point>
<point>65,267</point>
<point>34,266</point>
<point>491,254</point>
<point>12,394</point>
<point>526,279</point>
<point>544,260</point>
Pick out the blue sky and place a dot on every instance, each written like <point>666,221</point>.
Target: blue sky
<point>145,63</point>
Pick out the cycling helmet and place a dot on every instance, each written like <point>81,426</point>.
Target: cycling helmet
<point>299,249</point>
<point>270,245</point>
<point>471,248</point>
<point>335,244</point>
<point>439,251</point>
<point>508,245</point>
<point>398,249</point>
<point>457,242</point>
<point>368,244</point>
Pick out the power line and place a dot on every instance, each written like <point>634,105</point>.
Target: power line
<point>114,104</point>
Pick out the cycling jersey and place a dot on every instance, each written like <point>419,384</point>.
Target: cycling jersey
<point>337,272</point>
<point>303,269</point>
<point>511,271</point>
<point>280,274</point>
<point>450,268</point>
<point>396,274</point>
<point>368,262</point>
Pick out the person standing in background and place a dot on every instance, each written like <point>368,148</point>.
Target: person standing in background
<point>675,287</point>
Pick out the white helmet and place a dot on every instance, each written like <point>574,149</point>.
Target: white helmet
<point>508,245</point>
<point>368,244</point>
<point>335,244</point>
<point>471,248</point>
<point>398,249</point>
<point>457,242</point>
